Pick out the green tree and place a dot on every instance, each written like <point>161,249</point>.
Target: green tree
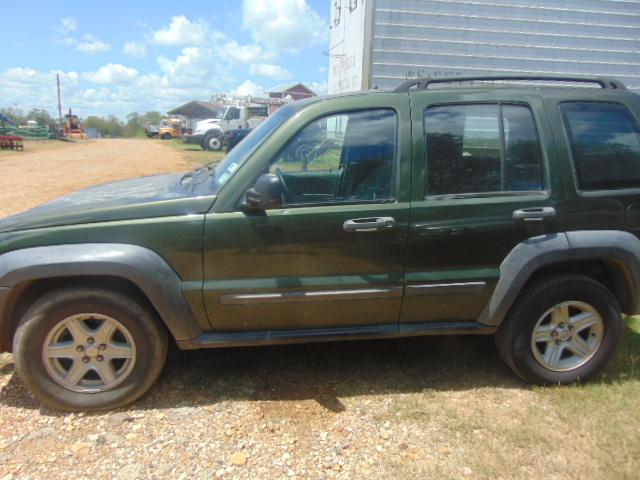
<point>43,118</point>
<point>16,115</point>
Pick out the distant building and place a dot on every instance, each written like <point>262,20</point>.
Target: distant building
<point>195,111</point>
<point>297,91</point>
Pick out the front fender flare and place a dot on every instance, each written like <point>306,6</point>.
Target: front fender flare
<point>141,266</point>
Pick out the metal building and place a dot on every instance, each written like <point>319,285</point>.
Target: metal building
<point>381,43</point>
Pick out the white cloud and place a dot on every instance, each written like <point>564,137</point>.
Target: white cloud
<point>246,53</point>
<point>271,71</point>
<point>28,88</point>
<point>134,49</point>
<point>207,61</point>
<point>249,88</point>
<point>112,73</point>
<point>91,45</point>
<point>67,25</point>
<point>321,88</point>
<point>288,25</point>
<point>322,69</point>
<point>181,32</point>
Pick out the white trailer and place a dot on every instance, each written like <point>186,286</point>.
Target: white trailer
<point>381,43</point>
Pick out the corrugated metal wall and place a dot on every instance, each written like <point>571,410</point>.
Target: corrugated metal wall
<point>465,37</point>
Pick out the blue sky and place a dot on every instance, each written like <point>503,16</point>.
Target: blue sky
<point>117,57</point>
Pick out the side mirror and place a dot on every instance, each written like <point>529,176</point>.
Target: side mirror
<point>265,194</point>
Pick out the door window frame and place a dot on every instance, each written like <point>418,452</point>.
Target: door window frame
<point>544,193</point>
<point>396,170</point>
<point>567,143</point>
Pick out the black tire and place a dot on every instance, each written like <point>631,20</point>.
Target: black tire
<point>212,142</point>
<point>166,136</point>
<point>513,338</point>
<point>150,339</point>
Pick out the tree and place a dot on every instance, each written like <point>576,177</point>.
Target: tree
<point>16,115</point>
<point>108,127</point>
<point>43,118</point>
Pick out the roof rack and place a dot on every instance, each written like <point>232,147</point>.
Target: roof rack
<point>423,83</point>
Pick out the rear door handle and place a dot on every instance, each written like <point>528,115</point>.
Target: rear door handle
<point>535,214</point>
<point>366,225</point>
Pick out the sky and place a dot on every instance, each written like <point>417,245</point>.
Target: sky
<point>118,57</point>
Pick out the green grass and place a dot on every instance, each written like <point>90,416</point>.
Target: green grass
<point>193,153</point>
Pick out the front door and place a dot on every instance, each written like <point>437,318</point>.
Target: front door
<point>333,254</point>
<point>485,179</point>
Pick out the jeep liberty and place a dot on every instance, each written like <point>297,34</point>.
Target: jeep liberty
<point>506,206</point>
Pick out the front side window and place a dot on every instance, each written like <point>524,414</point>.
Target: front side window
<point>605,145</point>
<point>348,157</point>
<point>233,114</point>
<point>482,148</point>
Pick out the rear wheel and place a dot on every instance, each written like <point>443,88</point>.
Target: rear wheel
<point>562,330</point>
<point>89,349</point>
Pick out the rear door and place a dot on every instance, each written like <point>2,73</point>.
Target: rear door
<point>485,178</point>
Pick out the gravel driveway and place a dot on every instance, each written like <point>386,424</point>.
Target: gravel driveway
<point>50,169</point>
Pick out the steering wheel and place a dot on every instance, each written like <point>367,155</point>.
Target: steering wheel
<point>285,190</point>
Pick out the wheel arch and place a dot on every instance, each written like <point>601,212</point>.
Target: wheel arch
<point>133,269</point>
<point>610,257</point>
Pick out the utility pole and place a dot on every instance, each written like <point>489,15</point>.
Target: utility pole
<point>59,102</point>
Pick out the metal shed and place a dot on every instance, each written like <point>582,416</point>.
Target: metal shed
<point>195,111</point>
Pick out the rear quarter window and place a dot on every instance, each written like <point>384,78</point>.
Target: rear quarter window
<point>605,145</point>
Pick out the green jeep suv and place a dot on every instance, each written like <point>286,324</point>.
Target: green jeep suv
<point>487,205</point>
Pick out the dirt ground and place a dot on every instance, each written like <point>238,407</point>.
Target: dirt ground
<point>435,407</point>
<point>46,170</point>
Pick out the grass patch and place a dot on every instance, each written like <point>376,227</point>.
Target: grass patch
<point>193,153</point>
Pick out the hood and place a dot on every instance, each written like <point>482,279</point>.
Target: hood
<point>155,196</point>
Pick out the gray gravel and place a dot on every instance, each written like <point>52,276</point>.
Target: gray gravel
<point>418,408</point>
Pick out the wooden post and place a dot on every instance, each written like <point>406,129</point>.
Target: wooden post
<point>59,102</point>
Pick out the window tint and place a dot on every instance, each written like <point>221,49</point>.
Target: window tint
<point>482,148</point>
<point>605,143</point>
<point>345,158</point>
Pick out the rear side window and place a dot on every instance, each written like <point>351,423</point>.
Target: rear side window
<point>482,148</point>
<point>605,145</point>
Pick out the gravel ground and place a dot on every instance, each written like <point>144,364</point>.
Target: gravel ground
<point>416,408</point>
<point>355,410</point>
<point>46,170</point>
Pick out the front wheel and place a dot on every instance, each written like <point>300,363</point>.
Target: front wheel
<point>88,349</point>
<point>562,330</point>
<point>212,142</point>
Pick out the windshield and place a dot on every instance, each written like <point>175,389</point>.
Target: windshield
<point>239,155</point>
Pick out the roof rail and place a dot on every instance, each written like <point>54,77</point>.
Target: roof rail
<point>423,83</point>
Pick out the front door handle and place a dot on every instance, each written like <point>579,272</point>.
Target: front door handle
<point>367,225</point>
<point>536,214</point>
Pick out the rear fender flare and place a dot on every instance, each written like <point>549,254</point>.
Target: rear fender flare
<point>619,247</point>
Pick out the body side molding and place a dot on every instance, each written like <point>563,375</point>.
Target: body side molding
<point>143,267</point>
<point>312,295</point>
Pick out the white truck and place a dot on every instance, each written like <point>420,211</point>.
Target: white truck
<point>243,114</point>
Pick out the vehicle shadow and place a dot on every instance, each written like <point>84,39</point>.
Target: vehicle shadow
<point>329,372</point>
